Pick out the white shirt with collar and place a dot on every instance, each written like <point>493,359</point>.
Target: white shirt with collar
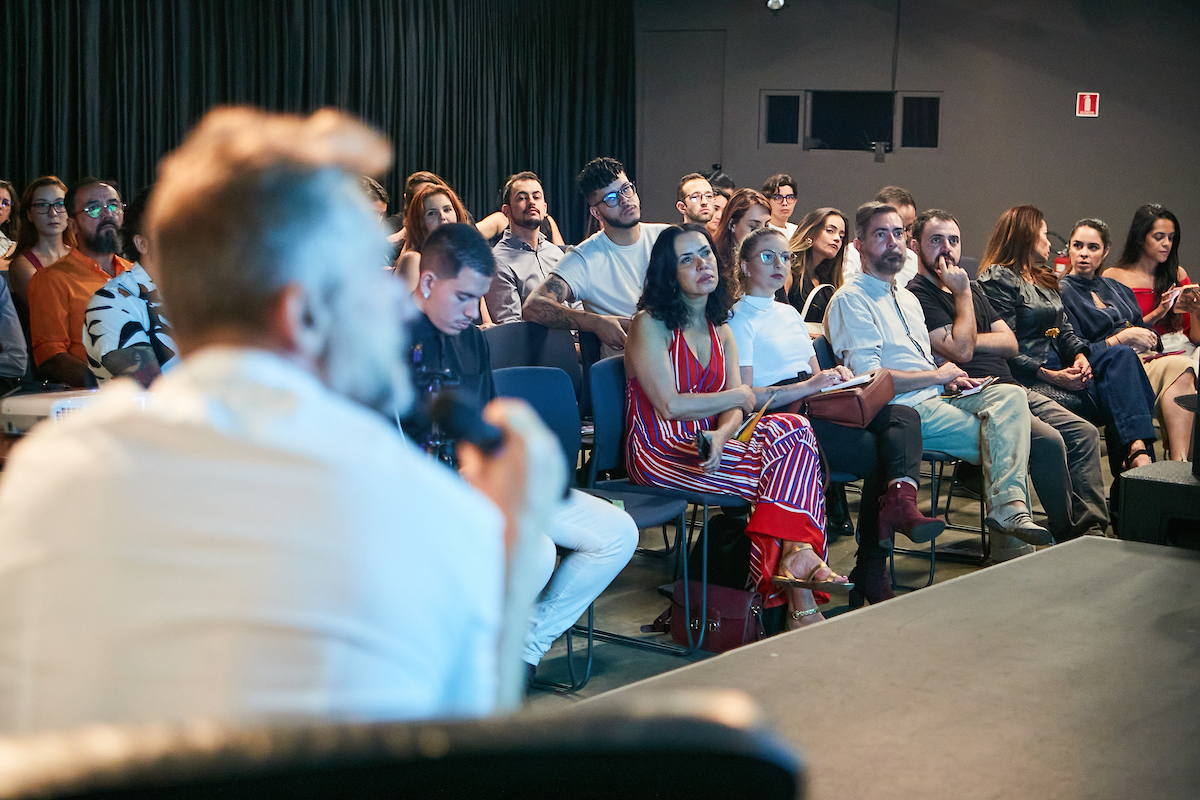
<point>771,338</point>
<point>251,546</point>
<point>872,323</point>
<point>852,265</point>
<point>606,277</point>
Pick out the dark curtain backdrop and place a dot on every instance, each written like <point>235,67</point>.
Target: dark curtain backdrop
<point>473,90</point>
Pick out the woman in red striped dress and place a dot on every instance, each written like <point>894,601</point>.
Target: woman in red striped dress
<point>683,379</point>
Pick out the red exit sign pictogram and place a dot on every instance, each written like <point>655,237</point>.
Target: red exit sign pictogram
<point>1087,104</point>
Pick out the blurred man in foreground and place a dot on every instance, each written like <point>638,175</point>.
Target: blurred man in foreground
<point>258,543</point>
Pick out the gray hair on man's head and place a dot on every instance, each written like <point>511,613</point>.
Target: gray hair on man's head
<point>253,201</point>
<point>866,212</point>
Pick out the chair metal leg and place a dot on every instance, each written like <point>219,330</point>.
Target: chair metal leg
<point>985,539</point>
<point>935,478</point>
<point>669,547</point>
<point>576,684</point>
<point>664,647</point>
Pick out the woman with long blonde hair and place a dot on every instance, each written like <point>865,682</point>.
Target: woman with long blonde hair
<point>819,244</point>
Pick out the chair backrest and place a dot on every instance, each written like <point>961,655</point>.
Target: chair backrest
<point>549,391</point>
<point>598,755</point>
<point>971,265</point>
<point>590,351</point>
<point>527,344</point>
<point>825,357</point>
<point>608,414</point>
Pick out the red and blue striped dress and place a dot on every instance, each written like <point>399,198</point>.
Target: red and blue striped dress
<point>778,470</point>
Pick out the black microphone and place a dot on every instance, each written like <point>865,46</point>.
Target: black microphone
<point>460,421</point>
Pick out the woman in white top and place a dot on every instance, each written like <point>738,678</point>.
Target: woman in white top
<point>776,357</point>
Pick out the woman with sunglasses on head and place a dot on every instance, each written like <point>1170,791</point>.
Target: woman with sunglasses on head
<point>43,237</point>
<point>746,211</point>
<point>776,358</point>
<point>820,245</point>
<point>1105,313</point>
<point>1149,266</point>
<point>1108,385</point>
<point>685,402</point>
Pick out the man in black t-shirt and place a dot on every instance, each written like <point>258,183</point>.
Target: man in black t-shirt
<point>1064,454</point>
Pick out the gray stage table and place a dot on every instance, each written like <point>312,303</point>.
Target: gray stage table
<point>1071,673</point>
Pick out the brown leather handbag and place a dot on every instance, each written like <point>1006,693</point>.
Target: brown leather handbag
<point>733,617</point>
<point>854,406</point>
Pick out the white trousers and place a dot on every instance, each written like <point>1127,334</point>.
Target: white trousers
<point>601,539</point>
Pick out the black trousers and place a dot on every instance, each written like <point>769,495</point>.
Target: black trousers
<point>888,448</point>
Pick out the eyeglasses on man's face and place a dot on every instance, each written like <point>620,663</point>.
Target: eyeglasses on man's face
<point>696,197</point>
<point>42,207</point>
<point>769,257</point>
<point>784,198</point>
<point>94,210</point>
<point>613,198</point>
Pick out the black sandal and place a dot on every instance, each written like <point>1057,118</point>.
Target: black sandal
<point>1127,462</point>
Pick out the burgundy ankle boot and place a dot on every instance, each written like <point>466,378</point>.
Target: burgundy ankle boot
<point>871,583</point>
<point>898,513</point>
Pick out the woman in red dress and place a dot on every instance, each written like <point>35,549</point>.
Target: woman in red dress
<point>683,383</point>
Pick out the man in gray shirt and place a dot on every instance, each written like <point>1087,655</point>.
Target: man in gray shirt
<point>524,257</point>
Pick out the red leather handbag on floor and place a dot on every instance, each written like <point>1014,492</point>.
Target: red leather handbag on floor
<point>733,617</point>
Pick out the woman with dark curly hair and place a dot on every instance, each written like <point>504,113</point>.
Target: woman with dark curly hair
<point>685,396</point>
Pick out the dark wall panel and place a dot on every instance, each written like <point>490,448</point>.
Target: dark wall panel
<point>470,89</point>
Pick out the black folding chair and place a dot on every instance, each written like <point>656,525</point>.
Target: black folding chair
<point>608,414</point>
<point>548,391</point>
<point>528,344</point>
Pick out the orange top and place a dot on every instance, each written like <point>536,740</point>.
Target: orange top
<point>58,296</point>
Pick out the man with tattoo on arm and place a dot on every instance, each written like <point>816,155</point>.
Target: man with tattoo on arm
<point>607,270</point>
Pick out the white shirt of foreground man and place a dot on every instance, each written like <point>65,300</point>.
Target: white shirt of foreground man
<point>257,545</point>
<point>250,545</point>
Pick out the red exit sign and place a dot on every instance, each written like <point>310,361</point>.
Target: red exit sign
<point>1087,104</point>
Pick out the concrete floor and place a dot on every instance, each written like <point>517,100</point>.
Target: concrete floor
<point>633,600</point>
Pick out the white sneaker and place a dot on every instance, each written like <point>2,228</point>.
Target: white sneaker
<point>1019,524</point>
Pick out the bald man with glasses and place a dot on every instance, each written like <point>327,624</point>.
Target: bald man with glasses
<point>606,271</point>
<point>59,294</point>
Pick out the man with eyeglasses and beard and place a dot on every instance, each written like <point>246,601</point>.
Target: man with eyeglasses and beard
<point>59,294</point>
<point>607,270</point>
